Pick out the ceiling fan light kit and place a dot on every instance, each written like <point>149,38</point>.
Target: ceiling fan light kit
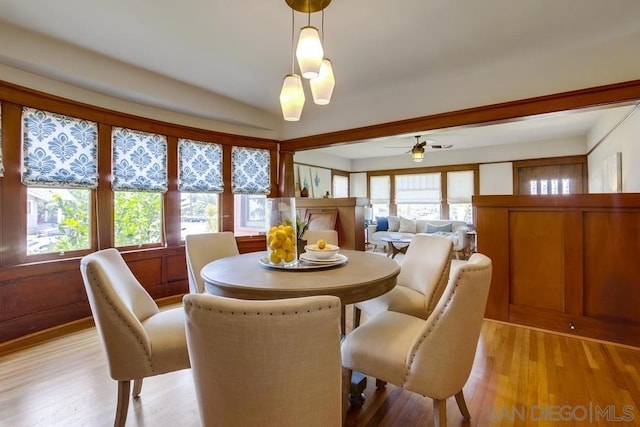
<point>311,61</point>
<point>417,153</point>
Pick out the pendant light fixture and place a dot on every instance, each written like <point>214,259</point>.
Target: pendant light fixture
<point>292,93</point>
<point>313,65</point>
<point>322,86</point>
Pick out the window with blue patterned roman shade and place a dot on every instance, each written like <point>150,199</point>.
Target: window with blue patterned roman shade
<point>250,171</point>
<point>59,151</point>
<point>139,160</point>
<point>199,167</point>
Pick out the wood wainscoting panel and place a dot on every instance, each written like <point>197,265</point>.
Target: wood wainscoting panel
<point>493,241</point>
<point>612,270</point>
<point>536,245</point>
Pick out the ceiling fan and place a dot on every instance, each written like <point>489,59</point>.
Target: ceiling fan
<point>417,151</point>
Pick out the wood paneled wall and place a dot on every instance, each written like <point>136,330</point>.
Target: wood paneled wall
<point>40,296</point>
<point>349,221</point>
<point>564,263</point>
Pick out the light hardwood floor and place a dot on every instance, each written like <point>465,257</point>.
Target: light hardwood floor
<point>520,377</point>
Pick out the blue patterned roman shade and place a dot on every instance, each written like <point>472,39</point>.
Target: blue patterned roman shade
<point>251,171</point>
<point>139,161</point>
<point>59,151</point>
<point>199,167</point>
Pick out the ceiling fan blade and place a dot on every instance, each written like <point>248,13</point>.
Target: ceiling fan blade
<point>441,146</point>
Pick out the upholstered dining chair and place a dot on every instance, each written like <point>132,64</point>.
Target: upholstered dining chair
<point>431,357</point>
<point>270,363</point>
<point>423,276</point>
<point>139,340</point>
<point>201,249</point>
<point>312,236</point>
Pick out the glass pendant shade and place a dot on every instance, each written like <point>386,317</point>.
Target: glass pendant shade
<point>309,52</point>
<point>418,154</point>
<point>292,98</point>
<point>322,86</point>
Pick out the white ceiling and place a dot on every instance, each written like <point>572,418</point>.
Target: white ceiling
<point>225,60</point>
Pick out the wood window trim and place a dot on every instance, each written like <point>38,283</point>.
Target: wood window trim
<point>14,195</point>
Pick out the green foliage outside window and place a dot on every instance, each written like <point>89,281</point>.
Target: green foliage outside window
<point>137,218</point>
<point>74,227</point>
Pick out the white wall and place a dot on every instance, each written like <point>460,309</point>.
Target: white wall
<point>496,178</point>
<point>322,160</point>
<point>569,146</point>
<point>358,184</point>
<point>618,132</point>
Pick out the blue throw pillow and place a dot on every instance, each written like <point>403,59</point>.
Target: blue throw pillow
<point>446,228</point>
<point>382,223</point>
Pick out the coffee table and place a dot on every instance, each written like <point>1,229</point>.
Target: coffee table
<point>396,245</point>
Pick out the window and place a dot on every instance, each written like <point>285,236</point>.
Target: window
<point>199,182</point>
<point>340,186</point>
<point>380,194</point>
<point>139,179</point>
<point>418,195</point>
<point>551,177</point>
<point>250,184</point>
<point>60,169</point>
<point>459,192</point>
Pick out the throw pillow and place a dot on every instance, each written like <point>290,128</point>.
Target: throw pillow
<point>394,223</point>
<point>447,228</point>
<point>407,225</point>
<point>382,224</point>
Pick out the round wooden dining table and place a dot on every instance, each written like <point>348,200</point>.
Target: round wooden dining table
<point>362,277</point>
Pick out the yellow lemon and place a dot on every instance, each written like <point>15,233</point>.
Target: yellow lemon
<point>289,230</point>
<point>280,253</point>
<point>281,235</point>
<point>289,257</point>
<point>273,257</point>
<point>321,244</point>
<point>287,245</point>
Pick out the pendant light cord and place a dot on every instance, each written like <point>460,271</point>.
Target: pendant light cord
<point>293,71</point>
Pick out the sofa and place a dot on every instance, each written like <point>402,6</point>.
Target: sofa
<point>397,227</point>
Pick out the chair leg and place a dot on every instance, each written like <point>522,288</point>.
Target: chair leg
<point>440,412</point>
<point>123,403</point>
<point>346,386</point>
<point>462,405</point>
<point>356,316</point>
<point>380,383</point>
<point>137,387</point>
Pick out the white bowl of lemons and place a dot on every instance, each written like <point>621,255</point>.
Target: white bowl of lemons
<point>321,250</point>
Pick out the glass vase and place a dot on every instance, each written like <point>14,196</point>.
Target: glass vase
<point>281,231</point>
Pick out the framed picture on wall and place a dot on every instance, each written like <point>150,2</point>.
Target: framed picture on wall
<point>320,182</point>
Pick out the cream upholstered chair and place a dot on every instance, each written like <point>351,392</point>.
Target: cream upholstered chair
<point>201,249</point>
<point>423,276</point>
<point>139,340</point>
<point>265,363</point>
<point>431,357</point>
<point>312,236</point>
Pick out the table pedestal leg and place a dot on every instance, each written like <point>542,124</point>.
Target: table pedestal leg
<point>356,391</point>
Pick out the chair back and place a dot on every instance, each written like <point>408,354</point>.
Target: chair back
<point>425,268</point>
<point>201,249</point>
<point>441,357</point>
<point>267,363</point>
<point>119,305</point>
<point>312,236</point>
